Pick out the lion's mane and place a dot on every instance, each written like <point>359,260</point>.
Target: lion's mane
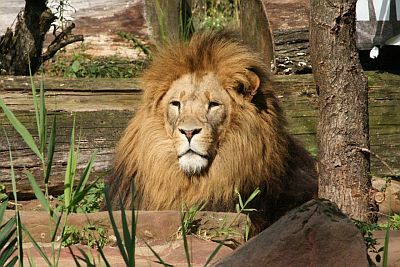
<point>255,150</point>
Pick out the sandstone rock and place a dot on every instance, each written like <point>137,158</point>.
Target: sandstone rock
<point>315,234</point>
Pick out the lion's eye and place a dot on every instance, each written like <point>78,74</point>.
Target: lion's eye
<point>176,103</point>
<point>213,104</point>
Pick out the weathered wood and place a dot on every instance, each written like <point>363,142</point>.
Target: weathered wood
<point>104,106</point>
<point>292,53</point>
<point>255,29</point>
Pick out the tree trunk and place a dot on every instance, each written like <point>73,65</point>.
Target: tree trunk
<point>24,46</point>
<point>342,131</point>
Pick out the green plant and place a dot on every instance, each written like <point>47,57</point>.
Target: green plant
<point>90,235</point>
<point>242,207</point>
<point>90,203</point>
<point>212,14</point>
<point>8,242</point>
<point>44,150</point>
<point>82,65</point>
<point>126,243</point>
<point>136,42</point>
<point>189,222</point>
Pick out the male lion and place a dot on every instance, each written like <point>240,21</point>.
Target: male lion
<point>210,125</point>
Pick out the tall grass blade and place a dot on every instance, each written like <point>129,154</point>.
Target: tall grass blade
<point>7,252</point>
<point>3,207</point>
<point>19,240</point>
<point>252,196</point>
<point>50,149</point>
<point>42,119</point>
<point>386,246</point>
<point>185,243</point>
<point>53,236</point>
<point>100,250</point>
<point>158,256</point>
<point>35,101</point>
<point>71,168</point>
<point>115,228</point>
<point>12,262</point>
<point>214,253</point>
<point>37,247</point>
<point>23,132</point>
<point>86,173</point>
<point>85,258</point>
<point>127,236</point>
<point>7,230</point>
<point>39,194</point>
<point>74,257</point>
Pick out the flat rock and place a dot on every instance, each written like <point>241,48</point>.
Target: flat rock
<point>315,234</point>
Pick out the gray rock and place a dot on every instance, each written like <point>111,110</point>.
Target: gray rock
<point>315,234</point>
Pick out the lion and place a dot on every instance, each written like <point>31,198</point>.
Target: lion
<point>210,126</point>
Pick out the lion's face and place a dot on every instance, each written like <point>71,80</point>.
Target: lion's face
<point>196,112</point>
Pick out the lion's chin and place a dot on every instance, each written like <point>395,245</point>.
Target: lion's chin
<point>192,163</point>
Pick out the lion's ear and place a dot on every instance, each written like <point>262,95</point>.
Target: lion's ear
<point>252,84</point>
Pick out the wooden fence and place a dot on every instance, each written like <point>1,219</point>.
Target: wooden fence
<point>103,107</point>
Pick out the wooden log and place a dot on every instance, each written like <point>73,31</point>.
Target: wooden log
<point>103,107</point>
<point>292,53</point>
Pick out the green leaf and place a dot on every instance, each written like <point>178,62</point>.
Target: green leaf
<point>6,231</point>
<point>7,252</point>
<point>100,250</point>
<point>30,142</point>
<point>214,253</point>
<point>185,243</point>
<point>80,195</point>
<point>115,228</point>
<point>35,101</point>
<point>3,207</point>
<point>12,262</point>
<point>158,256</point>
<point>42,119</point>
<point>38,192</point>
<point>86,173</point>
<point>252,196</point>
<point>12,173</point>
<point>386,246</point>
<point>50,150</point>
<point>19,239</point>
<point>127,236</point>
<point>71,168</point>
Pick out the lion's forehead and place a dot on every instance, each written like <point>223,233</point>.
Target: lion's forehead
<point>194,86</point>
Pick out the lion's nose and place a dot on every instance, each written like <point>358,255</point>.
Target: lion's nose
<point>190,133</point>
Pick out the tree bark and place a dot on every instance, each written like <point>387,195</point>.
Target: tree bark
<point>342,131</point>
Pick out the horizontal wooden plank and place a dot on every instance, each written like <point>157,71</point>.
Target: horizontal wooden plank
<point>103,107</point>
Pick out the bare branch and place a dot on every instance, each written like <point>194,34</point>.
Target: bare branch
<point>54,47</point>
<point>378,157</point>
